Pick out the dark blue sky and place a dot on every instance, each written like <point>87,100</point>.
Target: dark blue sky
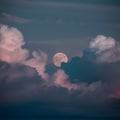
<point>45,21</point>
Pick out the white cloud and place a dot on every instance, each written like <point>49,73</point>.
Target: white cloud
<point>102,43</point>
<point>11,51</point>
<point>107,49</point>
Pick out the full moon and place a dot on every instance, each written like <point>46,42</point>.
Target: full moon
<point>58,58</point>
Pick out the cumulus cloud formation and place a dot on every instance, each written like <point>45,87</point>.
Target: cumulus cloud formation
<point>106,49</point>
<point>11,51</point>
<point>11,42</point>
<point>102,43</point>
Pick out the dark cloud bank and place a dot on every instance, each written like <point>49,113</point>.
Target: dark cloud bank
<point>85,87</point>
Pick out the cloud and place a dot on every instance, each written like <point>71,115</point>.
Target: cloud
<point>106,49</point>
<point>98,68</point>
<point>13,18</point>
<point>61,80</point>
<point>82,86</point>
<point>72,77</point>
<point>38,62</point>
<point>17,82</point>
<point>11,42</point>
<point>91,78</point>
<point>80,70</point>
<point>102,43</point>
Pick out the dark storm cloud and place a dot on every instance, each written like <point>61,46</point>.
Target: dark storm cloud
<point>79,69</point>
<point>51,69</point>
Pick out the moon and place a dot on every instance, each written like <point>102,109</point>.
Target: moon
<point>58,58</point>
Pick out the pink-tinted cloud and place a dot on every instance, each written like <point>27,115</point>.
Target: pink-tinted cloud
<point>38,62</point>
<point>61,80</point>
<point>11,42</point>
<point>11,51</point>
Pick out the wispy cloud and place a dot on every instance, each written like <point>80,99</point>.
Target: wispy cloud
<point>14,18</point>
<point>72,5</point>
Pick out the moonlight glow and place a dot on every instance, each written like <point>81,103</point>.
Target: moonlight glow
<point>58,58</point>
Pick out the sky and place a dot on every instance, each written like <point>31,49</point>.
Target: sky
<point>87,86</point>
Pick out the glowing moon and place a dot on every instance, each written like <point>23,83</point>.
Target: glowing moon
<point>58,58</point>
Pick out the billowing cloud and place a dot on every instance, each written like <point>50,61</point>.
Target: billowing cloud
<point>102,43</point>
<point>11,42</point>
<point>98,67</point>
<point>38,62</point>
<point>13,72</point>
<point>106,49</point>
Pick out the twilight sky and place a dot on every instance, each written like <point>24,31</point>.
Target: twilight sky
<point>32,31</point>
